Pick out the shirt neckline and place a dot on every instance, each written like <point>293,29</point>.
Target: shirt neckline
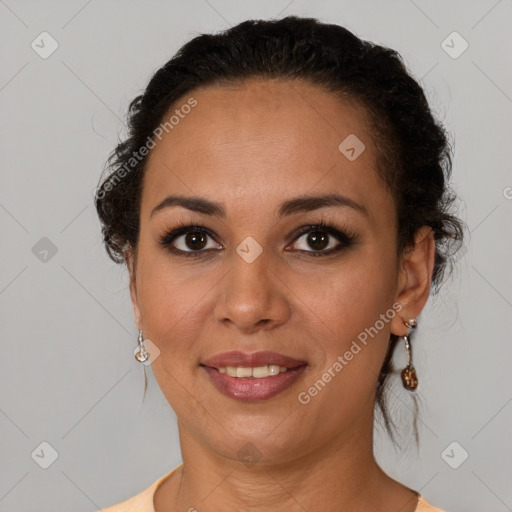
<point>154,487</point>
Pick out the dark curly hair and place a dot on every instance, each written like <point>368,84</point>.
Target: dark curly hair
<point>414,154</point>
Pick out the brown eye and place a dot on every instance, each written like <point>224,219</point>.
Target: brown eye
<point>322,239</point>
<point>195,240</point>
<point>317,240</point>
<point>189,241</point>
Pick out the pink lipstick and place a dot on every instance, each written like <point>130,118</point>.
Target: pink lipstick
<point>253,377</point>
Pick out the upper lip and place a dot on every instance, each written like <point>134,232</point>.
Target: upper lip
<point>242,359</point>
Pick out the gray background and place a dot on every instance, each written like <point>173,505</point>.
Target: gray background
<point>67,372</point>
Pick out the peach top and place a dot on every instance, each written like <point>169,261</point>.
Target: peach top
<point>143,502</point>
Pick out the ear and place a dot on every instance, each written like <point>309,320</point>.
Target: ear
<point>131,263</point>
<point>414,279</point>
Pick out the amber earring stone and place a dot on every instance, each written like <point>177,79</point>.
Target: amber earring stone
<point>409,378</point>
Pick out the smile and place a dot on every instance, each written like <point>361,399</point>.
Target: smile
<point>253,376</point>
<point>258,372</point>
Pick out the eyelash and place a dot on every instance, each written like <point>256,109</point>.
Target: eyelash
<point>345,238</point>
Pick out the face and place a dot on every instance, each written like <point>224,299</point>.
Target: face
<point>252,275</point>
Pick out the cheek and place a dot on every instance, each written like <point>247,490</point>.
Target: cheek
<point>168,299</point>
<point>353,302</point>
<point>171,306</point>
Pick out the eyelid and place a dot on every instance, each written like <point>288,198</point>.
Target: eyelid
<point>179,230</point>
<point>344,235</point>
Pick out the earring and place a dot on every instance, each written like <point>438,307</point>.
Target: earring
<point>409,378</point>
<point>141,353</point>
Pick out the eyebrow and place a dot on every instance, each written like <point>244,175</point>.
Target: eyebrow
<point>304,203</point>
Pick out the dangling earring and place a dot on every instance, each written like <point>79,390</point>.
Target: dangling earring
<point>409,378</point>
<point>141,353</point>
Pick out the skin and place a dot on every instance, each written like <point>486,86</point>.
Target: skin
<point>250,147</point>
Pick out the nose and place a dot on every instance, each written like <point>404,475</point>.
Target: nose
<point>252,296</point>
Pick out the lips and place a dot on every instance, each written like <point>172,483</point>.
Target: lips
<point>253,389</point>
<point>241,359</point>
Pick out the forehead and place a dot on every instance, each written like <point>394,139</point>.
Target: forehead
<point>263,139</point>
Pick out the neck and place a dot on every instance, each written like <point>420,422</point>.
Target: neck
<point>341,474</point>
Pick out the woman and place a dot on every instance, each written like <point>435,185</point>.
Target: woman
<point>282,205</point>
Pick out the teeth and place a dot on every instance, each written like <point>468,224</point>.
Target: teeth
<point>258,372</point>
<point>244,372</point>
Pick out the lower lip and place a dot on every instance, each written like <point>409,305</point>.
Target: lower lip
<point>251,389</point>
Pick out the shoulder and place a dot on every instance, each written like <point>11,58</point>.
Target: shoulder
<point>423,506</point>
<point>141,502</point>
<point>138,503</point>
